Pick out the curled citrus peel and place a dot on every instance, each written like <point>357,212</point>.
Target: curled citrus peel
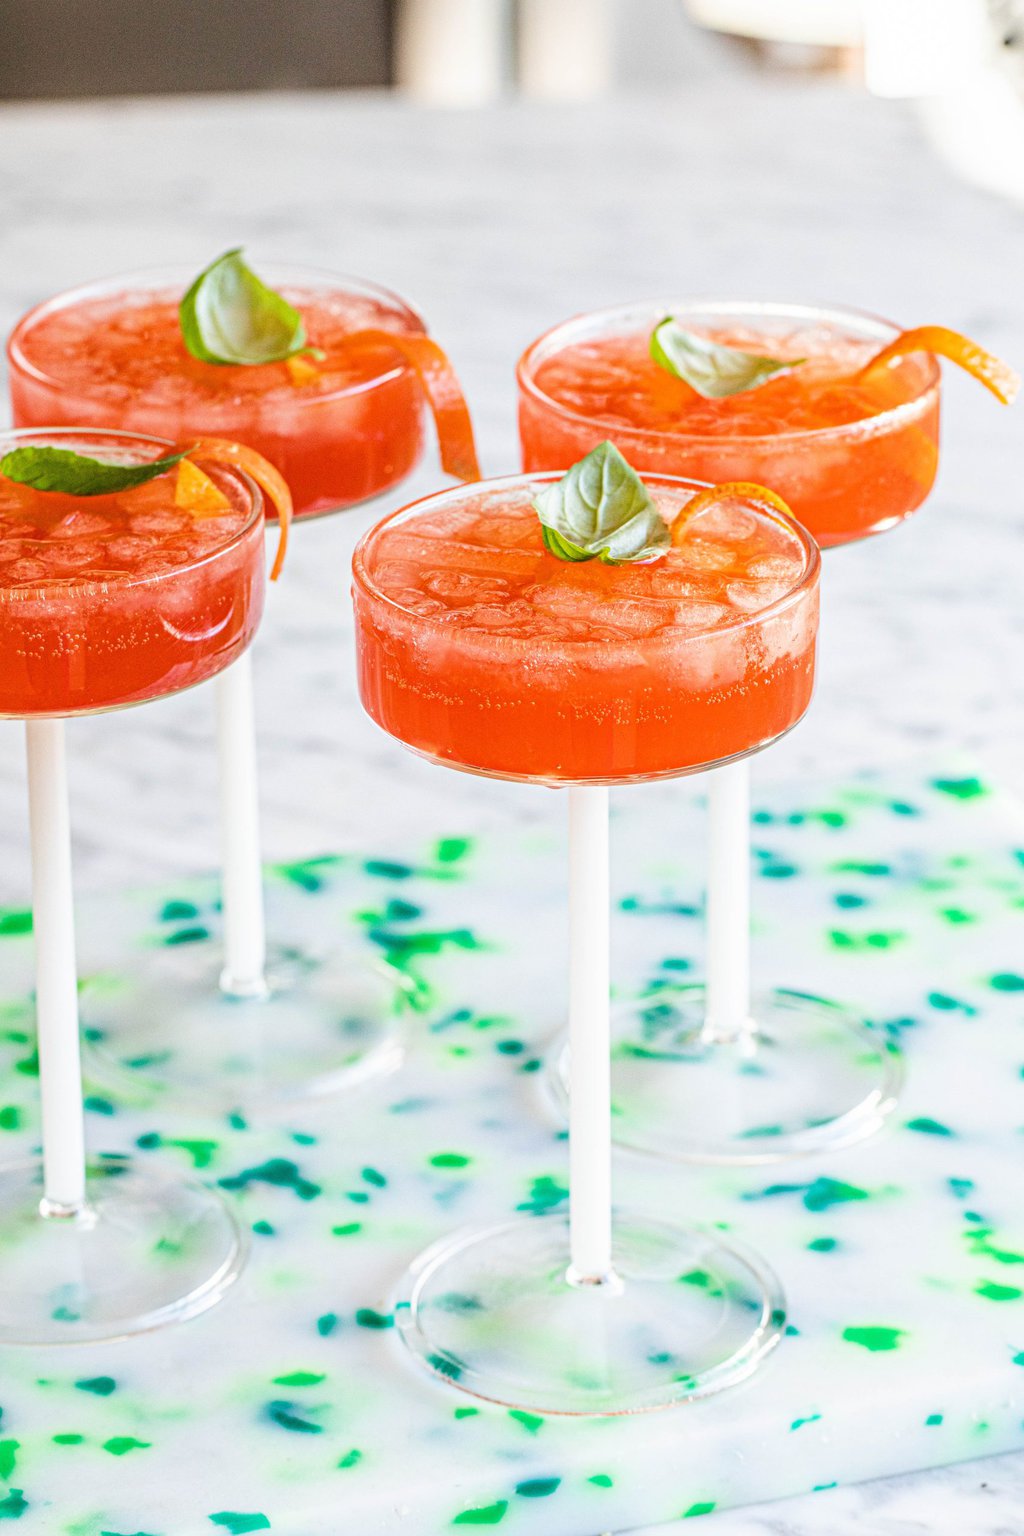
<point>940,341</point>
<point>196,493</point>
<point>443,391</point>
<point>746,491</point>
<point>219,450</point>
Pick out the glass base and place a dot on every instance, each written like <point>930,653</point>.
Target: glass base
<point>493,1313</point>
<point>171,1030</point>
<point>145,1252</point>
<point>810,1077</point>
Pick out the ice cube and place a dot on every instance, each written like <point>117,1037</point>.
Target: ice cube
<point>78,525</point>
<point>726,520</point>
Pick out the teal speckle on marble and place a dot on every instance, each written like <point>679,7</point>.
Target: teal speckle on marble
<point>290,1416</point>
<point>538,1487</point>
<point>280,1172</point>
<point>238,1524</point>
<point>99,1386</point>
<point>927,1126</point>
<point>13,1505</point>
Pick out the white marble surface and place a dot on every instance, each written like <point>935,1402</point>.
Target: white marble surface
<point>497,225</point>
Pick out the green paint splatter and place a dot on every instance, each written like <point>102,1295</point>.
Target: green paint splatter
<point>278,1171</point>
<point>366,1317</point>
<point>347,1229</point>
<point>177,912</point>
<point>263,1228</point>
<point>821,1195</point>
<point>944,1003</point>
<point>823,1244</point>
<point>600,1480</point>
<point>960,789</point>
<point>350,1459</point>
<point>1007,981</point>
<point>961,1187</point>
<point>875,1339</point>
<point>326,1324</point>
<point>14,1505</point>
<point>811,1418</point>
<point>374,1177</point>
<point>284,1415</point>
<point>451,849</point>
<point>300,1379</point>
<point>994,1292</point>
<point>703,1508</point>
<point>240,1525</point>
<point>8,1457</point>
<point>10,1118</point>
<point>387,869</point>
<point>531,1422</point>
<point>538,1487</point>
<point>546,1194</point>
<point>194,935</point>
<point>450,1160</point>
<point>100,1386</point>
<point>847,900</point>
<point>932,1420</point>
<point>13,923</point>
<point>466,1413</point>
<point>69,1439</point>
<point>120,1445</point>
<point>928,1127</point>
<point>862,867</point>
<point>488,1514</point>
<point>307,874</point>
<point>96,1105</point>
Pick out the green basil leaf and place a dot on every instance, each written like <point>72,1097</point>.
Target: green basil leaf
<point>229,316</point>
<point>75,474</point>
<point>601,510</point>
<point>712,370</point>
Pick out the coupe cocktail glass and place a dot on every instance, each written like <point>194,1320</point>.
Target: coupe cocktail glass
<point>712,1073</point>
<point>481,651</point>
<point>282,1022</point>
<point>106,601</point>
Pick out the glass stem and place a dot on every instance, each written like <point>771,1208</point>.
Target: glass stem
<point>60,1070</point>
<point>590,1217</point>
<point>728,1020</point>
<point>244,972</point>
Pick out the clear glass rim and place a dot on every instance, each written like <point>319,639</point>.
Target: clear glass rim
<point>52,436</point>
<point>363,580</point>
<point>179,275</point>
<point>869,326</point>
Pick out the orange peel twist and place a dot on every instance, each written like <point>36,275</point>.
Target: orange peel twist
<point>440,385</point>
<point>747,491</point>
<point>997,376</point>
<point>220,450</point>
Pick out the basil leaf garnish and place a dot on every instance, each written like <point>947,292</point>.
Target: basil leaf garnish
<point>75,474</point>
<point>712,370</point>
<point>602,510</point>
<point>229,316</point>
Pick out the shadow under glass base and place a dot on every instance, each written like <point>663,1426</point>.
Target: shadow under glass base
<point>147,1251</point>
<point>811,1077</point>
<point>167,1028</point>
<point>492,1312</point>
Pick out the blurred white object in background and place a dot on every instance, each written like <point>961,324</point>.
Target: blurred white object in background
<point>565,48</point>
<point>922,47</point>
<point>451,53</point>
<point>823,23</point>
<point>964,59</point>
